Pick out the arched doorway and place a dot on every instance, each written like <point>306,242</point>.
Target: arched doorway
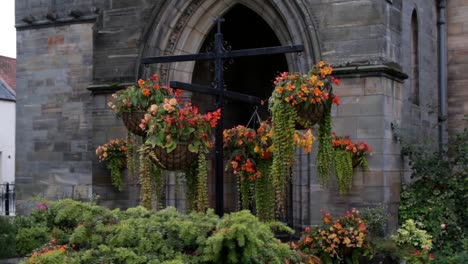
<point>183,27</point>
<point>242,29</point>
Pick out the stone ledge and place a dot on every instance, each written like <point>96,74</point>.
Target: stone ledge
<point>376,70</point>
<point>107,88</point>
<point>53,23</point>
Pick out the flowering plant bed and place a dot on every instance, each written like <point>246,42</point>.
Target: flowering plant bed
<point>343,240</point>
<point>114,153</point>
<point>348,155</point>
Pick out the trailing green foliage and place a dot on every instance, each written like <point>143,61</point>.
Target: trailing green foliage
<point>284,122</point>
<point>325,149</point>
<point>343,165</point>
<point>265,193</point>
<point>146,192</point>
<point>201,200</point>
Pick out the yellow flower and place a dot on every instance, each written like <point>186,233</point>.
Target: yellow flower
<point>172,101</point>
<point>154,108</point>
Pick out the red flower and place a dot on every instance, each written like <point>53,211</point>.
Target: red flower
<point>335,80</point>
<point>336,100</point>
<point>431,256</point>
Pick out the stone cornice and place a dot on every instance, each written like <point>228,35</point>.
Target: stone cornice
<point>376,70</point>
<point>58,22</point>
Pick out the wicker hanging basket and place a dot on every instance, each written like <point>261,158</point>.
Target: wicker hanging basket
<point>178,159</point>
<point>311,116</point>
<point>132,121</point>
<point>356,161</point>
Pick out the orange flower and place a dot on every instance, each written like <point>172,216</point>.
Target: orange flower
<point>156,86</point>
<point>141,82</point>
<point>146,92</point>
<point>280,89</point>
<point>362,227</point>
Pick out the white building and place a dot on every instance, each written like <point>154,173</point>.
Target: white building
<point>7,133</point>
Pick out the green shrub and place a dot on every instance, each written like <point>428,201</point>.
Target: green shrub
<point>7,237</point>
<point>438,195</point>
<point>83,233</point>
<point>241,238</point>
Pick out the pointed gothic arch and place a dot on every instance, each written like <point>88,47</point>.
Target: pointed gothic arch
<point>180,27</point>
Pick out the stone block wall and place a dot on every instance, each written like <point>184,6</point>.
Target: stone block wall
<point>54,125</point>
<point>60,123</point>
<point>457,59</point>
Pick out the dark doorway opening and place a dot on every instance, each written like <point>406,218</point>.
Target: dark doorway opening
<point>242,29</point>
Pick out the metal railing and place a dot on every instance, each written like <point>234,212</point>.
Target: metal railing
<point>7,199</point>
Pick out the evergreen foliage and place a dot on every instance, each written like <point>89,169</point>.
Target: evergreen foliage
<point>68,231</point>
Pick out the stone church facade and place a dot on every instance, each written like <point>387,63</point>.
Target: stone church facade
<point>73,54</point>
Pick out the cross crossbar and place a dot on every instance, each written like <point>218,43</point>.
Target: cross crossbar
<point>219,55</point>
<point>225,54</point>
<point>209,90</point>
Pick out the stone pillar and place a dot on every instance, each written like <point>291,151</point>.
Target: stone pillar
<point>371,101</point>
<point>54,150</point>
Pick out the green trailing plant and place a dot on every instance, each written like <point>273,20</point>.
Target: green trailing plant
<point>159,182</point>
<point>265,193</point>
<point>343,165</point>
<point>300,99</point>
<point>346,156</point>
<point>201,200</point>
<point>325,149</point>
<point>283,118</point>
<point>146,191</point>
<point>132,156</point>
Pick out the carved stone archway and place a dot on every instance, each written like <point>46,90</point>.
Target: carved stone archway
<point>180,27</point>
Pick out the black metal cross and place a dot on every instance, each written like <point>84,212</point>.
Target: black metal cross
<point>219,55</point>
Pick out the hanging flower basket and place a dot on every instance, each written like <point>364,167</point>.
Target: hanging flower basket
<point>356,161</point>
<point>178,159</point>
<point>312,115</point>
<point>132,121</point>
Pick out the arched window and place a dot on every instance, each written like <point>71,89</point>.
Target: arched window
<point>414,97</point>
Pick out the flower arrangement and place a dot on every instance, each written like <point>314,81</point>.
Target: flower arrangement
<point>250,158</point>
<point>168,124</point>
<point>175,136</point>
<point>342,240</point>
<point>131,103</point>
<point>114,153</point>
<point>304,99</point>
<point>347,155</point>
<point>140,97</point>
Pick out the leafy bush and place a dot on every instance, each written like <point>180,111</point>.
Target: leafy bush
<point>74,232</point>
<point>438,195</point>
<point>7,237</point>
